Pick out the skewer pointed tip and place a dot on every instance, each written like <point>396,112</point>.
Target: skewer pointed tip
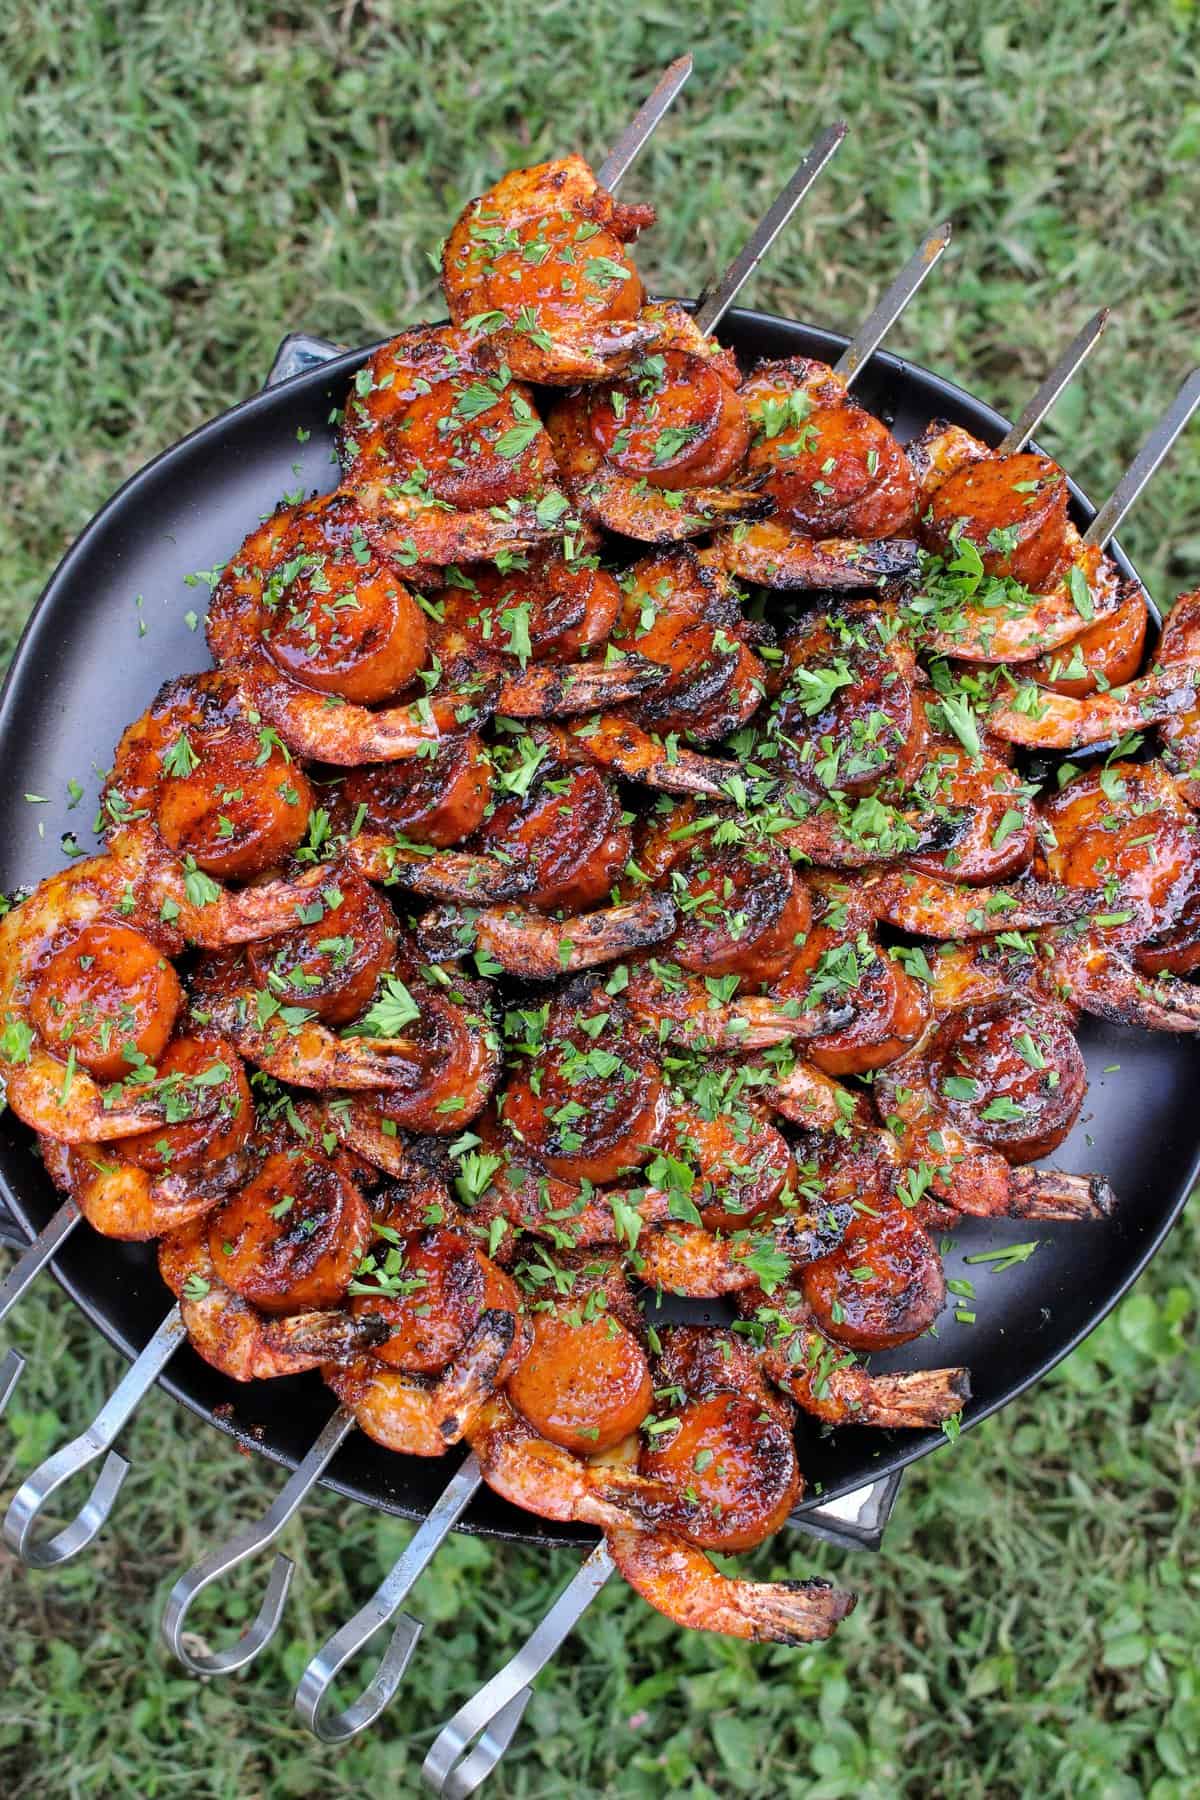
<point>889,307</point>
<point>714,302</point>
<point>1056,382</point>
<point>1146,463</point>
<point>641,127</point>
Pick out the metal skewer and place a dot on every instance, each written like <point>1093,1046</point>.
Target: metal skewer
<point>242,1545</point>
<point>33,1496</point>
<point>715,302</point>
<point>643,123</point>
<point>1152,453</point>
<point>1056,382</point>
<point>21,1276</point>
<point>888,308</point>
<point>385,1602</point>
<point>489,1719</point>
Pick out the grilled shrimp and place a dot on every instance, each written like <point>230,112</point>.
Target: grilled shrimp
<point>445,453</point>
<point>527,943</point>
<point>539,265</point>
<point>835,477</point>
<point>1022,584</point>
<point>433,1077</point>
<point>1105,655</point>
<point>559,820</point>
<point>615,742</point>
<point>198,796</point>
<point>657,455</point>
<point>680,1582</point>
<point>1037,720</point>
<point>1107,980</point>
<point>1005,1072</point>
<point>829,1383</point>
<point>773,554</point>
<point>267,1324</point>
<point>86,1001</point>
<point>684,618</point>
<point>700,1264</point>
<point>1122,837</point>
<point>1180,733</point>
<point>316,625</point>
<point>144,1185</point>
<point>529,622</point>
<point>424,1415</point>
<point>674,1575</point>
<point>697,1012</point>
<point>332,963</point>
<point>940,909</point>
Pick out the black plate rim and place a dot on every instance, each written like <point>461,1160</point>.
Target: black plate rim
<point>908,1449</point>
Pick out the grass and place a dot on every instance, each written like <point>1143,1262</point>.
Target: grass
<point>179,184</point>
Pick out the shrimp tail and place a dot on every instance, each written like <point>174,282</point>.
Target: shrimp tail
<point>441,875</point>
<point>528,944</point>
<point>680,1582</point>
<point>555,690</point>
<point>471,1377</point>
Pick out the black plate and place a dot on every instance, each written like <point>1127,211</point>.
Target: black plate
<point>112,625</point>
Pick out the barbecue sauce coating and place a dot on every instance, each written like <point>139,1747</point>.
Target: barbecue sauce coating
<point>888,1007</point>
<point>436,800</point>
<point>681,615</point>
<point>743,1164</point>
<point>415,430</point>
<point>332,962</point>
<point>1106,655</point>
<point>326,607</point>
<point>593,1103</point>
<point>221,789</point>
<point>844,712</point>
<point>676,421</point>
<point>741,913</point>
<point>197,1137</point>
<point>884,1284</point>
<point>291,1240</point>
<point>442,1288</point>
<point>722,1441</point>
<point>1013,509</point>
<point>831,468</point>
<point>585,1380</point>
<point>567,826</point>
<point>539,265</point>
<point>1123,832</point>
<point>106,991</point>
<point>1009,1073</point>
<point>543,608</point>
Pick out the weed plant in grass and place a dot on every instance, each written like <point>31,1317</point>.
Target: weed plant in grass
<point>179,184</point>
